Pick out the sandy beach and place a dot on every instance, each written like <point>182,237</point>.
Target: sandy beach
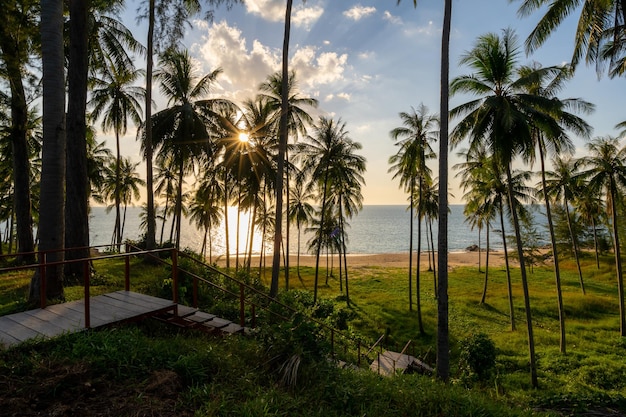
<point>399,260</point>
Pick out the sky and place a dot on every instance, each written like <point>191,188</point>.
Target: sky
<point>366,61</point>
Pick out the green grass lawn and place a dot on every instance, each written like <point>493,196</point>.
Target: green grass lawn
<point>591,374</point>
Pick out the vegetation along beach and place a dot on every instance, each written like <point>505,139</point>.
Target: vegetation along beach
<point>312,208</point>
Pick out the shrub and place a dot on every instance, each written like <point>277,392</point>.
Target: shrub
<point>477,356</point>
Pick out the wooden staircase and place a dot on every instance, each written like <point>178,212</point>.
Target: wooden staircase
<point>190,317</point>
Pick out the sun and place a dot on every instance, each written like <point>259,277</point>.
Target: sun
<point>244,137</point>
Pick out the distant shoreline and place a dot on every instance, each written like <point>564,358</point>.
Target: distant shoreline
<point>398,260</point>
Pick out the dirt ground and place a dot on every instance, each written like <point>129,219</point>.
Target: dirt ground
<point>64,390</point>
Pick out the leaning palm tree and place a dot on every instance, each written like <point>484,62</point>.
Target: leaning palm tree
<point>548,83</point>
<point>410,164</point>
<point>563,184</point>
<point>591,208</point>
<point>606,172</point>
<point>500,119</point>
<point>117,100</point>
<point>599,35</point>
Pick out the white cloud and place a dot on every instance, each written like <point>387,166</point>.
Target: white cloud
<point>424,31</point>
<point>358,12</point>
<point>338,96</point>
<point>246,66</point>
<point>274,11</point>
<point>305,17</point>
<point>365,55</point>
<point>396,20</point>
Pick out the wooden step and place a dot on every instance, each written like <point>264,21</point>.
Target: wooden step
<point>232,328</point>
<point>217,323</point>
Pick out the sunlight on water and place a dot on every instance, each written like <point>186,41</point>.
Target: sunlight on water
<point>376,229</point>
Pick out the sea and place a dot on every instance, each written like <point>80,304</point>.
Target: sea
<point>376,229</point>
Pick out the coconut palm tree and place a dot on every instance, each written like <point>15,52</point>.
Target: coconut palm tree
<point>563,184</point>
<point>599,35</point>
<point>183,130</point>
<point>51,220</point>
<point>168,17</point>
<point>296,123</point>
<point>410,163</point>
<point>443,337</point>
<point>301,212</point>
<point>165,187</point>
<point>327,157</point>
<point>500,119</point>
<point>606,172</point>
<point>117,99</point>
<point>592,210</point>
<point>17,41</point>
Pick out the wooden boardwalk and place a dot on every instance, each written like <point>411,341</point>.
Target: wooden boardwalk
<point>69,317</point>
<point>388,363</point>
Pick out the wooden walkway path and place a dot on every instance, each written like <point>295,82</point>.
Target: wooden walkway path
<point>69,317</point>
<point>388,363</point>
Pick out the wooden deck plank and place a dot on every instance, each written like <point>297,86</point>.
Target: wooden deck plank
<point>200,317</point>
<point>152,303</point>
<point>62,321</point>
<point>69,317</point>
<point>388,362</point>
<point>44,328</point>
<point>17,330</point>
<point>128,308</point>
<point>6,339</point>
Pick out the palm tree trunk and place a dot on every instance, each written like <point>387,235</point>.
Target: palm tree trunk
<point>343,249</point>
<point>555,254</point>
<point>179,203</point>
<point>520,254</point>
<point>618,259</point>
<point>574,246</point>
<point>150,215</point>
<point>508,270</point>
<point>298,258</point>
<point>443,337</point>
<point>237,227</point>
<point>411,246</point>
<point>595,242</point>
<point>76,180</point>
<point>287,224</point>
<point>319,238</point>
<point>51,228</point>
<point>19,147</point>
<point>484,297</point>
<point>282,149</point>
<point>118,160</point>
<point>430,226</point>
<point>479,259</point>
<point>167,201</point>
<point>226,229</point>
<point>418,302</point>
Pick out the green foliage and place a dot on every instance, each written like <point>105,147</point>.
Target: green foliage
<point>477,356</point>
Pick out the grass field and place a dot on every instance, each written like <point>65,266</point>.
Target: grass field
<point>590,376</point>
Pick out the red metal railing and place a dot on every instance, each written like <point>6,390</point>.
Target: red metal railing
<point>244,295</point>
